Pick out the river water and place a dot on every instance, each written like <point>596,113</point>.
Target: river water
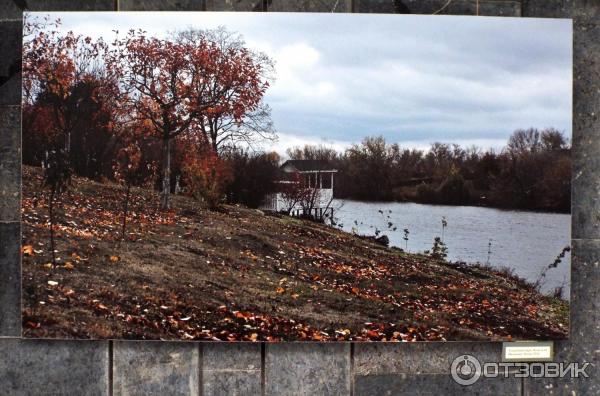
<point>527,242</point>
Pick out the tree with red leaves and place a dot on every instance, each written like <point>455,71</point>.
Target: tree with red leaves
<point>53,65</point>
<point>130,171</point>
<point>240,116</point>
<point>206,176</point>
<point>175,83</point>
<point>129,167</point>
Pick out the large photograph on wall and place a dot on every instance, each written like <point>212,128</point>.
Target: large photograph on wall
<point>295,177</point>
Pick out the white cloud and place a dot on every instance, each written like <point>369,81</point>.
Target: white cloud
<point>298,56</point>
<point>411,78</point>
<point>299,76</point>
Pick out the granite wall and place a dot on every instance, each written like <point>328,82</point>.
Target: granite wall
<point>155,368</point>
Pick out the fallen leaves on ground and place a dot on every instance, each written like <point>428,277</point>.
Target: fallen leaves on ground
<point>197,275</point>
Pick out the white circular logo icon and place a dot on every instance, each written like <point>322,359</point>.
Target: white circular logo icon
<point>465,370</point>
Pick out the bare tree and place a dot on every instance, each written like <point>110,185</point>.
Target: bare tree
<point>223,127</point>
<point>293,192</point>
<point>56,178</point>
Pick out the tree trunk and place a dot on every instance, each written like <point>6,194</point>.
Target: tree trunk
<point>166,175</point>
<point>213,136</point>
<point>51,207</point>
<point>125,207</point>
<point>68,142</point>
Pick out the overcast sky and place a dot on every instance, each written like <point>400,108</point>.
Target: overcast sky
<point>413,79</point>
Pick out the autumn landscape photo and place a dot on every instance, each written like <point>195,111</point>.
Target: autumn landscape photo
<point>295,177</point>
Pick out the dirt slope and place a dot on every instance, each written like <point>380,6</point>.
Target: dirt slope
<point>243,275</point>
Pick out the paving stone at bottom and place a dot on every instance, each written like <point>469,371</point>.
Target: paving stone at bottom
<point>418,358</point>
<point>230,356</point>
<point>231,369</point>
<point>155,368</point>
<point>50,367</point>
<point>307,369</point>
<point>10,280</point>
<point>432,384</point>
<point>579,352</point>
<point>563,386</point>
<point>233,383</point>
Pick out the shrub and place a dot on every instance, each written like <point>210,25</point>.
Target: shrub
<point>439,250</point>
<point>454,190</point>
<point>426,193</point>
<point>205,177</point>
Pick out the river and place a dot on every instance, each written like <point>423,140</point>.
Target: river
<point>527,242</point>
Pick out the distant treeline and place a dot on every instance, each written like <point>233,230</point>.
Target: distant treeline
<point>533,172</point>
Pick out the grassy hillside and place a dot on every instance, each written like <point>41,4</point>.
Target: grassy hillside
<point>239,274</point>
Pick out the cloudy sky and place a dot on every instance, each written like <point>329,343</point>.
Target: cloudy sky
<point>413,79</point>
